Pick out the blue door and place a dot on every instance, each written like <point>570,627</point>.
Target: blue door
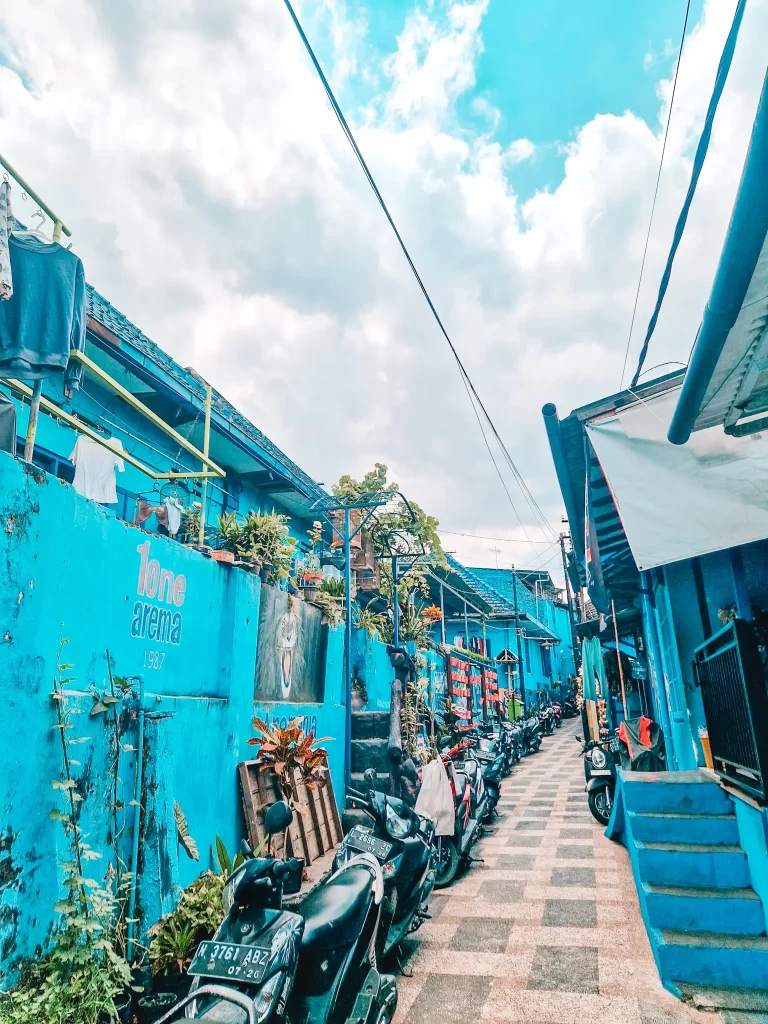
<point>684,750</point>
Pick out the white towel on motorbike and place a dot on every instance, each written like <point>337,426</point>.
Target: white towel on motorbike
<point>435,799</point>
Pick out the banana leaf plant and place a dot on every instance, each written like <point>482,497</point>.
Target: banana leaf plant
<point>288,751</point>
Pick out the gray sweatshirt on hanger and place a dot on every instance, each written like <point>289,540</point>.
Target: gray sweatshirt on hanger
<point>46,314</point>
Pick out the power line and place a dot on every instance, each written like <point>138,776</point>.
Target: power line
<point>481,536</point>
<point>656,191</point>
<point>467,380</point>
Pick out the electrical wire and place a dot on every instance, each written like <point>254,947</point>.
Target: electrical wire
<point>655,192</point>
<point>467,380</point>
<point>480,536</point>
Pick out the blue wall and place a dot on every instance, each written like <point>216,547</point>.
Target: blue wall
<point>69,568</point>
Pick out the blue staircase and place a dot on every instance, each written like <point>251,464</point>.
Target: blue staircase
<point>706,924</point>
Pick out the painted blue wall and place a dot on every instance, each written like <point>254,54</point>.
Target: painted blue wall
<point>69,568</point>
<point>371,661</point>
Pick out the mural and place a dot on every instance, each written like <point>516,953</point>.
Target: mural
<point>290,651</point>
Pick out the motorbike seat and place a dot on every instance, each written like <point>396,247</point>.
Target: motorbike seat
<point>333,913</point>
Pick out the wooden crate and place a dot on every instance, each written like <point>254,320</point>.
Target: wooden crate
<point>316,826</point>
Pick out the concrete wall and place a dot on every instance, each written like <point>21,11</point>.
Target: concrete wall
<point>69,568</point>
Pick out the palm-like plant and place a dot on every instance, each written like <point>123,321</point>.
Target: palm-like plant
<point>290,751</point>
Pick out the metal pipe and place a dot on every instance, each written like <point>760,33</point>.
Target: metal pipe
<point>466,627</point>
<point>395,605</point>
<point>571,614</point>
<point>738,260</point>
<point>206,447</point>
<point>137,791</point>
<point>442,615</point>
<point>347,652</point>
<point>520,668</point>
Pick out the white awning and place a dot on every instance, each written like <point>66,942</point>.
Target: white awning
<point>679,501</point>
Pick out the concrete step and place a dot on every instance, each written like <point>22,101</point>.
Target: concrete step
<point>709,829</point>
<point>692,792</point>
<point>370,725</point>
<point>685,908</point>
<point>704,867</point>
<point>382,782</point>
<point>370,754</point>
<point>706,997</point>
<point>713,958</point>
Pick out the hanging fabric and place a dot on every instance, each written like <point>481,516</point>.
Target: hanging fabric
<point>7,224</point>
<point>45,315</point>
<point>593,668</point>
<point>95,468</point>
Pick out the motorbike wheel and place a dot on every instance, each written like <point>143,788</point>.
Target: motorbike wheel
<point>446,862</point>
<point>600,804</point>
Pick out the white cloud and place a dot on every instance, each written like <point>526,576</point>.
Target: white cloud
<point>214,200</point>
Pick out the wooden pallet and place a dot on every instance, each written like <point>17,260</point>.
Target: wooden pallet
<point>316,826</point>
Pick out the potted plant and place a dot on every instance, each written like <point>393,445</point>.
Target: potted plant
<point>267,542</point>
<point>329,598</point>
<point>229,535</point>
<point>291,753</point>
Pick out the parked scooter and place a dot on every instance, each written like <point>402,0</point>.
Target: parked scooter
<point>531,735</point>
<point>402,842</point>
<point>317,964</point>
<point>470,804</point>
<point>600,761</point>
<point>547,721</point>
<point>570,707</point>
<point>557,713</point>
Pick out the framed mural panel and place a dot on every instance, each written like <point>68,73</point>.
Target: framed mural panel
<point>290,650</point>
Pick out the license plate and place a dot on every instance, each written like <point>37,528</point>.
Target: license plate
<point>229,960</point>
<point>364,841</point>
<point>601,771</point>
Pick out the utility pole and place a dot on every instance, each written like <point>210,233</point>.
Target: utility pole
<point>497,552</point>
<point>518,631</point>
<point>576,656</point>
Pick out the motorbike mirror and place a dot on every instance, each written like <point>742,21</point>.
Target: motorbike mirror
<point>369,778</point>
<point>578,739</point>
<point>278,818</point>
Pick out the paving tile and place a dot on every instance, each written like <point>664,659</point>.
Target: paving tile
<point>458,1003</point>
<point>481,935</point>
<point>498,891</point>
<point>575,852</point>
<point>524,841</point>
<point>573,876</point>
<point>570,914</point>
<point>565,969</point>
<point>576,833</point>
<point>536,812</point>
<point>519,862</point>
<point>437,904</point>
<point>538,825</point>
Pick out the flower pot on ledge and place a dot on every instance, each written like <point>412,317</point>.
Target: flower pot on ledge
<point>223,556</point>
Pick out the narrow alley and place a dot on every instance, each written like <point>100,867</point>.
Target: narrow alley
<point>548,926</point>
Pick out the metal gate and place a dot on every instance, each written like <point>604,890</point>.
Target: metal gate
<point>730,673</point>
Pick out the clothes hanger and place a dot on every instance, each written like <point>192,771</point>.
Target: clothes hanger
<point>35,232</point>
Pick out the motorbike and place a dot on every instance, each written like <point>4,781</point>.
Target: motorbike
<point>600,761</point>
<point>402,842</point>
<point>547,720</point>
<point>491,760</point>
<point>312,964</point>
<point>570,707</point>
<point>471,809</point>
<point>557,713</point>
<point>531,735</point>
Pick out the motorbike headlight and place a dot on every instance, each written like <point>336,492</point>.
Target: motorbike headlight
<point>599,760</point>
<point>389,870</point>
<point>397,827</point>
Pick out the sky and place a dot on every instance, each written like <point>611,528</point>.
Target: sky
<point>214,200</point>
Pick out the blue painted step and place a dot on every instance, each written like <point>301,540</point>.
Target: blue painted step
<point>675,793</point>
<point>684,908</point>
<point>717,867</point>
<point>715,959</point>
<point>709,829</point>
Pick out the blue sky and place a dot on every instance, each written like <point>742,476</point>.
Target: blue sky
<point>549,66</point>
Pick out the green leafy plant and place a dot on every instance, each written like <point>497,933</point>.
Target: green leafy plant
<point>226,864</point>
<point>369,621</point>
<point>83,972</point>
<point>175,939</point>
<point>182,831</point>
<point>289,752</point>
<point>330,599</point>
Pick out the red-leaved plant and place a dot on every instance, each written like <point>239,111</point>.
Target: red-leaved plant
<point>288,751</point>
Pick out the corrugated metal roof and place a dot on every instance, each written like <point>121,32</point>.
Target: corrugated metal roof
<point>106,314</point>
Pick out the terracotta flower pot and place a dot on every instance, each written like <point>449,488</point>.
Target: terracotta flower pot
<point>223,556</point>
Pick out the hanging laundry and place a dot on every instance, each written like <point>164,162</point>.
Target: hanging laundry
<point>7,224</point>
<point>95,467</point>
<point>173,512</point>
<point>45,315</point>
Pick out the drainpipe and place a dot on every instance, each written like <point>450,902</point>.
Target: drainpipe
<point>347,652</point>
<point>520,668</point>
<point>442,615</point>
<point>743,244</point>
<point>136,821</point>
